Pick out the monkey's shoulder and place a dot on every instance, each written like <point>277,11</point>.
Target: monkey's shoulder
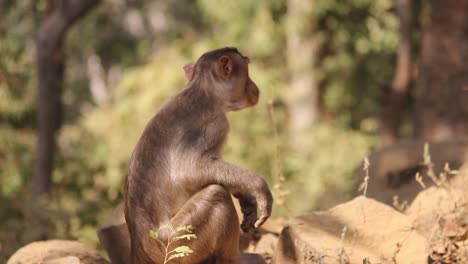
<point>195,116</point>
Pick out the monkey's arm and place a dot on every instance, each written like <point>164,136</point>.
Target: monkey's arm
<point>240,182</point>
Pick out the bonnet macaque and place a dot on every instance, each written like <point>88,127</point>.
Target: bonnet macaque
<point>176,175</point>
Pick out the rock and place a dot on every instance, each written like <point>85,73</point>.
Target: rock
<point>263,240</point>
<point>265,246</point>
<point>65,260</point>
<point>114,237</point>
<point>448,253</point>
<point>273,225</point>
<point>350,232</point>
<point>435,200</point>
<point>57,252</point>
<point>454,226</point>
<point>392,169</point>
<point>431,205</point>
<point>434,209</point>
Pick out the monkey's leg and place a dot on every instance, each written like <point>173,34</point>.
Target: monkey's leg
<point>211,212</point>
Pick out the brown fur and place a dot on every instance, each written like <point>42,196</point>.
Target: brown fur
<point>176,175</point>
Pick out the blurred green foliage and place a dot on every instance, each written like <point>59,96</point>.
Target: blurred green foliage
<point>150,41</point>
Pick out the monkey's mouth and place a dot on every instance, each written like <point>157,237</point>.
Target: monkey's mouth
<point>233,107</point>
<point>236,105</point>
<point>252,96</point>
<point>241,105</point>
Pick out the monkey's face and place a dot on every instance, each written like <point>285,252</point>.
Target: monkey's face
<point>238,90</point>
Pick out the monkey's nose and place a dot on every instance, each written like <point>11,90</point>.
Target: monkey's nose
<point>256,92</point>
<point>254,95</point>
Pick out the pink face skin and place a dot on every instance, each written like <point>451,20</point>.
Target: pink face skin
<point>237,90</point>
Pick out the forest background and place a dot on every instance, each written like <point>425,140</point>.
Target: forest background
<point>79,80</point>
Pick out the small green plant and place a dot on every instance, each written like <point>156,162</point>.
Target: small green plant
<point>175,234</point>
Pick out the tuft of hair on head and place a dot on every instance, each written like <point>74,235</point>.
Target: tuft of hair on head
<point>217,53</point>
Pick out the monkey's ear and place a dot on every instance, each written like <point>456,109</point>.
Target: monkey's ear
<point>225,66</point>
<point>188,69</point>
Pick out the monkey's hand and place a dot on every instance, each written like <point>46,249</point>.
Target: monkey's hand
<point>265,201</point>
<point>248,205</point>
<point>239,181</point>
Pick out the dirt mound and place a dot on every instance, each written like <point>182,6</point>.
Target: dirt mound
<point>440,214</point>
<point>350,232</point>
<point>57,252</point>
<point>435,202</point>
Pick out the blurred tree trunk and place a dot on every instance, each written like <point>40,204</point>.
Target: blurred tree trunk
<point>442,89</point>
<point>59,16</point>
<point>97,80</point>
<point>396,99</point>
<point>303,88</point>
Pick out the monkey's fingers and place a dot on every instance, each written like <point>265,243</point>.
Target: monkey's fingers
<point>246,225</point>
<point>261,221</point>
<point>248,222</point>
<point>265,211</point>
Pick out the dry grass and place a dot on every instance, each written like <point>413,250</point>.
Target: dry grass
<point>365,183</point>
<point>280,190</point>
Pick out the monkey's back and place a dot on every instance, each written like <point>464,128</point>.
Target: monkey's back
<point>179,133</point>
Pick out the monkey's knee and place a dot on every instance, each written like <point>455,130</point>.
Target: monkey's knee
<point>224,223</point>
<point>221,205</point>
<point>216,193</point>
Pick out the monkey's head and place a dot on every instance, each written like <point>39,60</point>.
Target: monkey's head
<point>224,73</point>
